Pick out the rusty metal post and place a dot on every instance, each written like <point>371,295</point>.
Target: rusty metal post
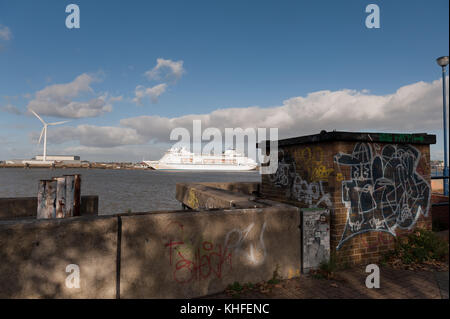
<point>70,191</point>
<point>60,197</point>
<point>77,195</point>
<point>46,207</point>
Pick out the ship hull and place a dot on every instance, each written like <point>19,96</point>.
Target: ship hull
<point>200,167</point>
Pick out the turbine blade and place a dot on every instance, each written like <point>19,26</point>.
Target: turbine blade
<point>57,123</point>
<point>38,116</point>
<point>40,137</point>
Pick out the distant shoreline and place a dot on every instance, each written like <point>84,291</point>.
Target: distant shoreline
<point>112,166</point>
<point>125,166</point>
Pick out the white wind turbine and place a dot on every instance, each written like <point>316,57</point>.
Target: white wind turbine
<point>44,132</point>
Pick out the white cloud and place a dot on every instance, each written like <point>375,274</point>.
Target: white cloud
<point>5,33</point>
<point>153,93</point>
<point>134,153</point>
<point>93,136</point>
<point>415,107</point>
<point>9,108</point>
<point>57,100</point>
<point>166,70</point>
<point>412,108</point>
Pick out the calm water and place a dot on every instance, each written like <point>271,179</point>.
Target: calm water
<point>118,190</point>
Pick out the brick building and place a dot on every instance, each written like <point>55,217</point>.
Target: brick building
<point>376,185</point>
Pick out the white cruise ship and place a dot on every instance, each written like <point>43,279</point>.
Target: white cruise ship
<point>182,159</point>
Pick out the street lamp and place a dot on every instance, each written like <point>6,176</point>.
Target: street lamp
<point>443,62</point>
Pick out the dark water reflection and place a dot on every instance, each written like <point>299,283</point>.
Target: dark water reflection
<point>118,190</point>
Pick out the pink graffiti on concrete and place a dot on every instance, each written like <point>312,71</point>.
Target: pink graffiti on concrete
<point>208,260</point>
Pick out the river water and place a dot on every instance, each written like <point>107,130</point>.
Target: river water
<point>119,190</point>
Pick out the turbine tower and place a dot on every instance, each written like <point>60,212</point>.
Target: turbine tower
<point>44,132</point>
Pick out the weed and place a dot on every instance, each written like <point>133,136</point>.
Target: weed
<point>236,286</point>
<point>420,246</point>
<point>275,277</point>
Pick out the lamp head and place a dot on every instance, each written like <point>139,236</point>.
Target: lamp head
<point>442,61</point>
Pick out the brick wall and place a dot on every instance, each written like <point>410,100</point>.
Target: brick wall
<point>314,175</point>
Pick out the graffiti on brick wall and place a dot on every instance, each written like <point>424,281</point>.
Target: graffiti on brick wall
<point>385,190</point>
<point>310,193</point>
<point>196,260</point>
<point>312,166</point>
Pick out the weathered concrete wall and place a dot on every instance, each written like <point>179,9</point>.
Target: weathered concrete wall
<point>34,255</point>
<point>184,255</point>
<point>155,255</point>
<point>376,185</point>
<point>23,207</point>
<point>248,188</point>
<point>208,196</point>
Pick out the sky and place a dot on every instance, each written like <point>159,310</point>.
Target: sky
<point>135,70</point>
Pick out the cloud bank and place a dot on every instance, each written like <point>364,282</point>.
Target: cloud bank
<point>412,108</point>
<point>58,100</point>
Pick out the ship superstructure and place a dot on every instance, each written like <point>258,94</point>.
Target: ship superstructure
<point>181,159</point>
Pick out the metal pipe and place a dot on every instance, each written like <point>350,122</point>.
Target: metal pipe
<point>444,89</point>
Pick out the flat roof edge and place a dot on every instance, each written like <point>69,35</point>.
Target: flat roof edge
<point>396,138</point>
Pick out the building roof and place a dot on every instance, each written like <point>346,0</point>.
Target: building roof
<point>397,138</point>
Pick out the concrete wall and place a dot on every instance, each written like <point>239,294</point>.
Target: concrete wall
<point>34,255</point>
<point>23,207</point>
<point>247,188</point>
<point>182,255</point>
<point>362,182</point>
<point>154,255</point>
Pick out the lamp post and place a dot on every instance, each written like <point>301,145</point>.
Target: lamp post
<point>443,62</point>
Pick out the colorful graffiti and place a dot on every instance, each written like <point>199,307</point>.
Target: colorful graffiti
<point>208,260</point>
<point>311,193</point>
<point>385,191</point>
<point>313,169</point>
<point>193,261</point>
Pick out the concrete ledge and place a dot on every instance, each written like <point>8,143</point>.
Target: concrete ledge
<point>248,188</point>
<point>186,255</point>
<point>34,255</point>
<point>25,207</point>
<point>207,196</point>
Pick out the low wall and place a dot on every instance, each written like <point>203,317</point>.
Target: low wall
<point>440,213</point>
<point>182,255</point>
<point>248,188</point>
<point>35,254</point>
<point>23,207</point>
<point>153,255</point>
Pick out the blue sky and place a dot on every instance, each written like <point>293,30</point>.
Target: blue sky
<point>235,54</point>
